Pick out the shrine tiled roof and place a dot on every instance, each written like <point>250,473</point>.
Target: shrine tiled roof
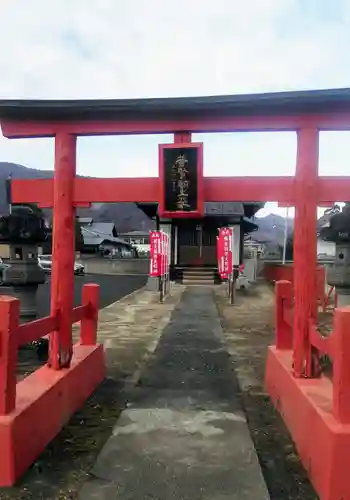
<point>226,210</point>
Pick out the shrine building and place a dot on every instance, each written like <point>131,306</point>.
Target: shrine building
<point>193,240</point>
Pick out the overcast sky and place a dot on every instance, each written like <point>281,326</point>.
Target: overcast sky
<point>162,48</point>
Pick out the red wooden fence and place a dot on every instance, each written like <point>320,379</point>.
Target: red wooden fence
<point>285,272</point>
<point>336,346</point>
<point>13,335</point>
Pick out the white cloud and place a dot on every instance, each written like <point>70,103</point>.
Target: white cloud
<point>111,49</point>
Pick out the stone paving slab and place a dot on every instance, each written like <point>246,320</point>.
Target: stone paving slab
<point>183,435</point>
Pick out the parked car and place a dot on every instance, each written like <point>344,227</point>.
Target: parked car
<point>3,266</point>
<point>45,262</point>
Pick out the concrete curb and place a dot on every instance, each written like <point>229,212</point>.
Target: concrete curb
<point>127,296</point>
<point>134,293</point>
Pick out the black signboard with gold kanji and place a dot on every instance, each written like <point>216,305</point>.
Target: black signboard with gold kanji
<point>180,166</point>
<point>181,176</point>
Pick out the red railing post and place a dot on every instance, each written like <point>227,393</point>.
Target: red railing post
<point>89,322</point>
<point>335,298</point>
<point>341,364</point>
<point>9,321</point>
<point>284,333</point>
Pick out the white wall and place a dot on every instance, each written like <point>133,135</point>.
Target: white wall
<point>142,248</point>
<point>325,248</point>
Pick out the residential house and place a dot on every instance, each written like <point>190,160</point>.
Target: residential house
<point>139,240</point>
<point>326,249</point>
<point>102,237</point>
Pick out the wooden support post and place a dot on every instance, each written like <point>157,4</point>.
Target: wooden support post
<point>305,259</point>
<point>63,254</point>
<point>89,322</point>
<point>341,365</point>
<point>161,289</point>
<point>284,331</point>
<point>9,321</point>
<point>182,137</point>
<point>231,289</point>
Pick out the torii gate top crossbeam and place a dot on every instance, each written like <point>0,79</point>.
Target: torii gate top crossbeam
<point>322,109</point>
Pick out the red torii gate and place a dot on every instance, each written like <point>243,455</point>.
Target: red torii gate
<point>307,113</point>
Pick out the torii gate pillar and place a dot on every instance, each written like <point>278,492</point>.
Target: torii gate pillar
<point>63,255</point>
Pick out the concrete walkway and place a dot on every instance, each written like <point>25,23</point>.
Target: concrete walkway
<point>183,435</point>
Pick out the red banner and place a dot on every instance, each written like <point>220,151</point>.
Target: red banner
<point>165,254</point>
<point>159,249</point>
<point>224,252</point>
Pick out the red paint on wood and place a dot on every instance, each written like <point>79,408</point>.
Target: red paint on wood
<point>323,443</point>
<point>182,137</point>
<point>63,255</point>
<point>46,400</point>
<point>94,190</point>
<point>327,299</point>
<point>305,241</point>
<point>78,313</point>
<point>325,121</point>
<point>34,410</point>
<point>90,299</point>
<point>34,330</point>
<point>117,190</point>
<point>322,344</point>
<point>341,365</point>
<point>9,320</point>
<point>244,189</point>
<point>37,190</point>
<point>333,189</point>
<point>248,189</point>
<point>329,190</point>
<point>284,298</point>
<point>285,272</point>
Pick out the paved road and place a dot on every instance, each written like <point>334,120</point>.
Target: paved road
<point>112,288</point>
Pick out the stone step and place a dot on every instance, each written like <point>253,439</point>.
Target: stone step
<point>197,269</point>
<point>198,276</point>
<point>198,281</point>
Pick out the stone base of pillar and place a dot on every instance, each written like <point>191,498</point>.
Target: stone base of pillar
<point>152,284</point>
<point>343,296</point>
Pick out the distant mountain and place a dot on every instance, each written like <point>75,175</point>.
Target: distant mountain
<point>126,216</point>
<point>271,229</point>
<point>17,172</point>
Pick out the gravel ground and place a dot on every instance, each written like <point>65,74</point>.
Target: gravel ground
<point>64,465</point>
<point>112,288</point>
<point>130,330</point>
<point>248,327</point>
